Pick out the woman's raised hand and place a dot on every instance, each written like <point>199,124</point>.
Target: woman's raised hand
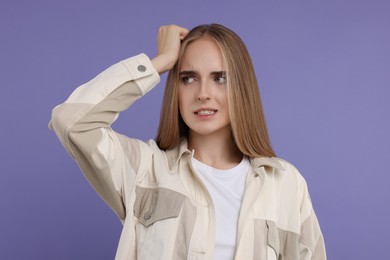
<point>168,42</point>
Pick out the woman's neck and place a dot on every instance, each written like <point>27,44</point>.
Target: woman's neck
<point>217,150</point>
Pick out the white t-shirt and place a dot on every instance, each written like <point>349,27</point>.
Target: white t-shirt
<point>226,188</point>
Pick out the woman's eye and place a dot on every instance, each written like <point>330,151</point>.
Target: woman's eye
<point>187,80</point>
<point>220,80</point>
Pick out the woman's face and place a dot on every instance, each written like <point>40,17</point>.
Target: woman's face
<point>203,101</point>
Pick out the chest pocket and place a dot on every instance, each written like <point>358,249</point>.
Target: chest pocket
<point>152,205</point>
<point>157,213</point>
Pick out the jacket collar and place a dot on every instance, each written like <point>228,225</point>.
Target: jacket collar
<point>175,154</point>
<point>272,162</point>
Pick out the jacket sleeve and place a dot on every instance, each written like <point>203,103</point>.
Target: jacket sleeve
<point>108,160</point>
<point>311,241</point>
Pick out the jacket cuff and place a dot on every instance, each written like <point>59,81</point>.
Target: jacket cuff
<point>142,71</point>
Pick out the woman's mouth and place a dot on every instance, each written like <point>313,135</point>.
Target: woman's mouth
<point>205,112</point>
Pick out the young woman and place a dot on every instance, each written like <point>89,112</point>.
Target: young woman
<point>210,186</point>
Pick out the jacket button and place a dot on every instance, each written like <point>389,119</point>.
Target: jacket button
<point>141,68</point>
<point>148,215</point>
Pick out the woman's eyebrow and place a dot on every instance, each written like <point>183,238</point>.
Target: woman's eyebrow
<point>188,72</point>
<point>218,73</point>
<point>192,72</point>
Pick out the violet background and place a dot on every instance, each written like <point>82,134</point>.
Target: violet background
<point>323,69</point>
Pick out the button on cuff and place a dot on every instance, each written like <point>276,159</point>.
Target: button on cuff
<point>141,68</point>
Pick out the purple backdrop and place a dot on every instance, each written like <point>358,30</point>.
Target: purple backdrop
<point>324,71</point>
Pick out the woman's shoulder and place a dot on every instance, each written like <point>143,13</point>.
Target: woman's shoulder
<point>287,165</point>
<point>152,151</point>
<point>279,168</point>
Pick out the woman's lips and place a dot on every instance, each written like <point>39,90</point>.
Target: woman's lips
<point>205,112</point>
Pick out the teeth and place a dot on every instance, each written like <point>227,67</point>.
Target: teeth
<point>206,112</point>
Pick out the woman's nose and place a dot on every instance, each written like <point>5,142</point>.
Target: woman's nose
<point>204,91</point>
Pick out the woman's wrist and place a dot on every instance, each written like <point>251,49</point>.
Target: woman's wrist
<point>162,63</point>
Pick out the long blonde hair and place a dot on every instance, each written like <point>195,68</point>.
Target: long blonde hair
<point>245,108</point>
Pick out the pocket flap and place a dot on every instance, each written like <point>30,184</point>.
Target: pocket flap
<point>152,205</point>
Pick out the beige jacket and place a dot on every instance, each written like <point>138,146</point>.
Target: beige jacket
<point>166,211</point>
